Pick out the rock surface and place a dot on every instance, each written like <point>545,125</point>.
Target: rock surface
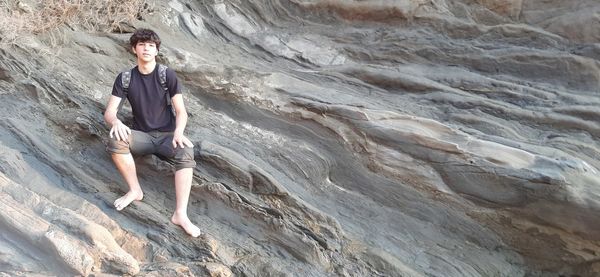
<point>333,138</point>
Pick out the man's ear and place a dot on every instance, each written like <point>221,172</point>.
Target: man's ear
<point>133,50</point>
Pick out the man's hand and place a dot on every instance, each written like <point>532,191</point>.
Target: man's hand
<point>119,130</point>
<point>180,140</point>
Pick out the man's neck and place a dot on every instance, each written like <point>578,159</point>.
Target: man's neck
<point>146,67</point>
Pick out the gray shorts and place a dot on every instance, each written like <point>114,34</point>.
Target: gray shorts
<point>157,143</point>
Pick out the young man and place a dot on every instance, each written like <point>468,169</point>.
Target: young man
<point>156,130</point>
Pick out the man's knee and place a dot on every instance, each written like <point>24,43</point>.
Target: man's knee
<point>184,158</point>
<point>115,146</point>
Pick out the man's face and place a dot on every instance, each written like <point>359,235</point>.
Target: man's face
<point>146,51</point>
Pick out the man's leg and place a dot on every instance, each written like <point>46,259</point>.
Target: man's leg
<point>137,143</point>
<point>126,166</point>
<point>183,185</point>
<point>183,160</point>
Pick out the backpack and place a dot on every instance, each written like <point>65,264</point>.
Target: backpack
<point>162,74</point>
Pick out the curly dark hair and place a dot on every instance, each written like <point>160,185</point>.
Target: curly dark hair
<point>144,35</point>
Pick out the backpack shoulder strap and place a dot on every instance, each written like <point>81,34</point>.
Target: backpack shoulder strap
<point>162,74</point>
<point>125,80</point>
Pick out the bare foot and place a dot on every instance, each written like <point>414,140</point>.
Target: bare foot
<point>126,199</point>
<point>186,224</point>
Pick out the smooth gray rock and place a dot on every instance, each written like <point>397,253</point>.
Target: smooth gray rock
<point>333,138</point>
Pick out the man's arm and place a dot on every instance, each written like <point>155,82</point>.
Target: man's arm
<point>119,129</point>
<point>180,121</point>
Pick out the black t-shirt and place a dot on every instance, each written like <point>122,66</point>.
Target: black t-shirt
<point>147,99</point>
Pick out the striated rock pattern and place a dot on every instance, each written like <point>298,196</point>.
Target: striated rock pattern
<point>333,138</point>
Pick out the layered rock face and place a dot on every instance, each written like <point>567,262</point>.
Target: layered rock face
<point>333,138</point>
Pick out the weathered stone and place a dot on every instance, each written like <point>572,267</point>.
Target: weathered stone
<point>350,138</point>
<point>510,8</point>
<point>217,270</point>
